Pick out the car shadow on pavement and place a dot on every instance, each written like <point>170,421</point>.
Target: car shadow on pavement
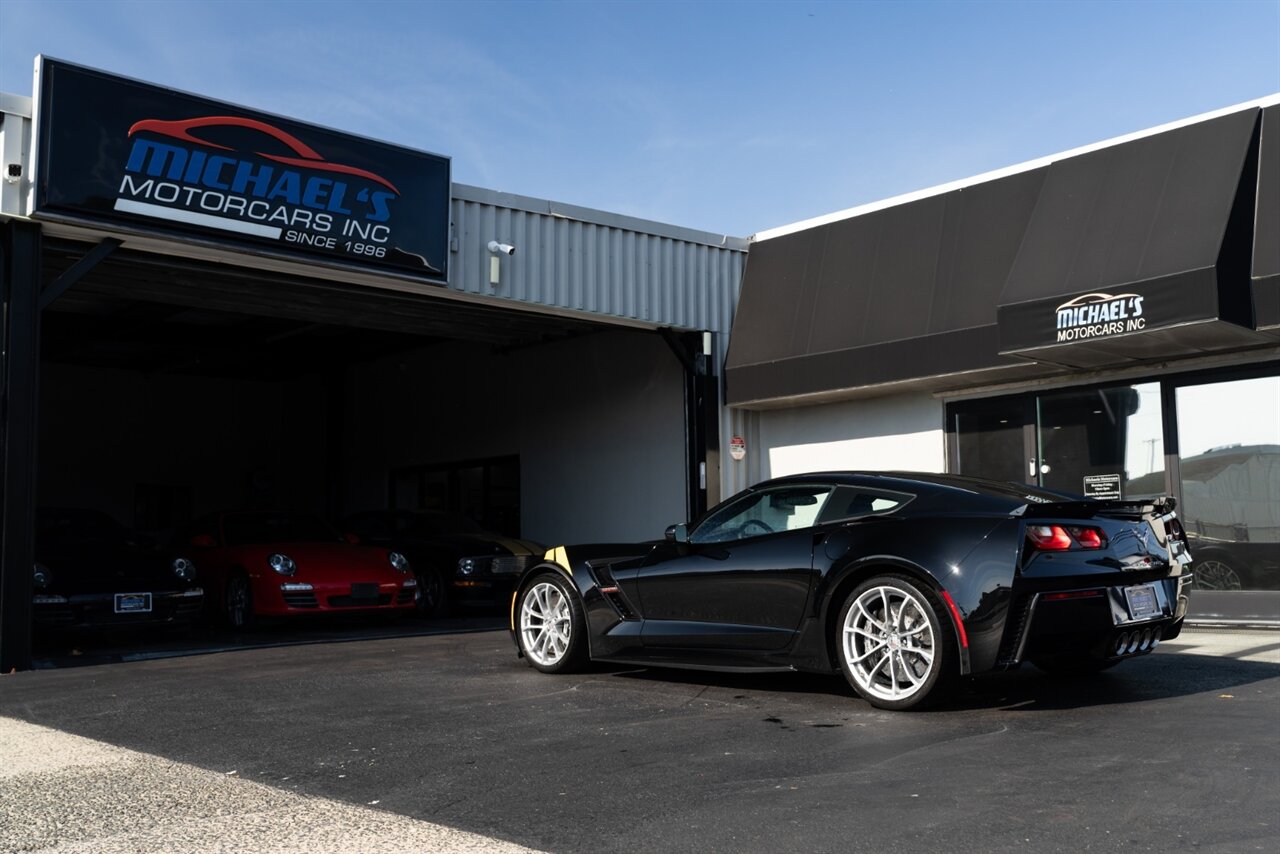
<point>1153,677</point>
<point>1156,677</point>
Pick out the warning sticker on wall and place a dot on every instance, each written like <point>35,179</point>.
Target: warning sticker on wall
<point>737,447</point>
<point>1102,486</point>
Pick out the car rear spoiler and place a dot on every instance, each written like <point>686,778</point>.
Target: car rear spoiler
<point>1087,509</point>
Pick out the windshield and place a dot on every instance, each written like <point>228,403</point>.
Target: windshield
<point>440,525</point>
<point>56,527</point>
<point>257,528</point>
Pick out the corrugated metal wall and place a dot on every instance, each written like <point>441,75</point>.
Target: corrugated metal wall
<point>616,268</point>
<point>580,260</point>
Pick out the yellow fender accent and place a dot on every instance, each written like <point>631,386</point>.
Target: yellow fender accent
<point>560,557</point>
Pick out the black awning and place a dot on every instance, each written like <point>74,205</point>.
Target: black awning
<point>898,294</point>
<point>1131,241</point>
<point>1266,225</point>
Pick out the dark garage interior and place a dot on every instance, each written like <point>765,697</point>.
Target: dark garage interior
<point>171,388</point>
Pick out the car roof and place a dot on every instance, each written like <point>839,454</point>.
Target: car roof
<point>912,482</point>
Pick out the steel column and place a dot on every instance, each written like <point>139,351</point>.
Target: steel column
<point>19,410</point>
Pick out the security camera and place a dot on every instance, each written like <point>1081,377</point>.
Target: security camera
<point>505,248</point>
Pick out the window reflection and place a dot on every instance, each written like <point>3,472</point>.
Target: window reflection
<point>1229,442</point>
<point>1103,443</point>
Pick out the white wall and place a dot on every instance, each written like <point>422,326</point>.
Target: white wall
<point>903,432</point>
<point>598,423</point>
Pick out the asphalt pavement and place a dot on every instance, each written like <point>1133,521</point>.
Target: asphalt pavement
<point>447,742</point>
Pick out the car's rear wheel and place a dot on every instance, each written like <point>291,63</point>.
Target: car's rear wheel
<point>551,625</point>
<point>895,645</point>
<point>238,602</point>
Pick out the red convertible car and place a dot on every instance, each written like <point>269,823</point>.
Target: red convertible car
<point>277,564</point>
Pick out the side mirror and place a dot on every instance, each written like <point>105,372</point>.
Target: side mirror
<point>678,533</point>
<point>203,541</point>
<point>352,539</point>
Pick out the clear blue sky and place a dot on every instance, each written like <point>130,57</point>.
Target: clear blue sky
<point>732,117</point>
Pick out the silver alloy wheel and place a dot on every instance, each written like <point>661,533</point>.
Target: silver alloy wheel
<point>1215,575</point>
<point>888,642</point>
<point>546,626</point>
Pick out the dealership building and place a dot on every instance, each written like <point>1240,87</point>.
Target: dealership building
<point>208,307</point>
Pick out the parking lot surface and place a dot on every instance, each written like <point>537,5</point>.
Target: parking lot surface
<point>449,742</point>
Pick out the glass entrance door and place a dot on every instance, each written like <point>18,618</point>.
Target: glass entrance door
<point>1101,442</point>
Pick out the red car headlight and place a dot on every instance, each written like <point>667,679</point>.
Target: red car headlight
<point>282,564</point>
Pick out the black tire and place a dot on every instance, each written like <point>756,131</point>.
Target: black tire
<point>237,602</point>
<point>433,596</point>
<point>551,627</point>
<point>908,661</point>
<point>1073,665</point>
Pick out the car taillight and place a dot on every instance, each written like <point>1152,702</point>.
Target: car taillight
<point>1088,538</point>
<point>1057,538</point>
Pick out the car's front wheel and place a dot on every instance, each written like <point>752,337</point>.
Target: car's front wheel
<point>431,601</point>
<point>895,645</point>
<point>551,625</point>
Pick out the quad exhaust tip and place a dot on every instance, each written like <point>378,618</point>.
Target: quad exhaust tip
<point>1131,643</point>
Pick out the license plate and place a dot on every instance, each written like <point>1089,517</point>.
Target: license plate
<point>133,603</point>
<point>1142,601</point>
<point>364,591</point>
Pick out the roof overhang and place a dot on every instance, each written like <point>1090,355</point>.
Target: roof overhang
<point>1154,247</point>
<point>1139,251</point>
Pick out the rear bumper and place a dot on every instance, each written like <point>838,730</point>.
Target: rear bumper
<point>1093,622</point>
<point>98,610</point>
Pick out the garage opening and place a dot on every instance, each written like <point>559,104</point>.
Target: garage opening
<point>173,389</point>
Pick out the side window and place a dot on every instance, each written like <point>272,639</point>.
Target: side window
<point>786,508</point>
<point>850,502</point>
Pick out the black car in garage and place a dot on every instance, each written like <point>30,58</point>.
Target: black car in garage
<point>457,562</point>
<point>92,572</point>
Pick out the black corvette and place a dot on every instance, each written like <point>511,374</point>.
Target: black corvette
<point>903,582</point>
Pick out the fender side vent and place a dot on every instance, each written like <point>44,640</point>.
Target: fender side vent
<point>610,591</point>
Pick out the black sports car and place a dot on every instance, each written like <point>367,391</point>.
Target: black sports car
<point>91,572</point>
<point>902,581</point>
<point>457,562</point>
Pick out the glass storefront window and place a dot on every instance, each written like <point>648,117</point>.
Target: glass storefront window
<point>989,438</point>
<point>1229,453</point>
